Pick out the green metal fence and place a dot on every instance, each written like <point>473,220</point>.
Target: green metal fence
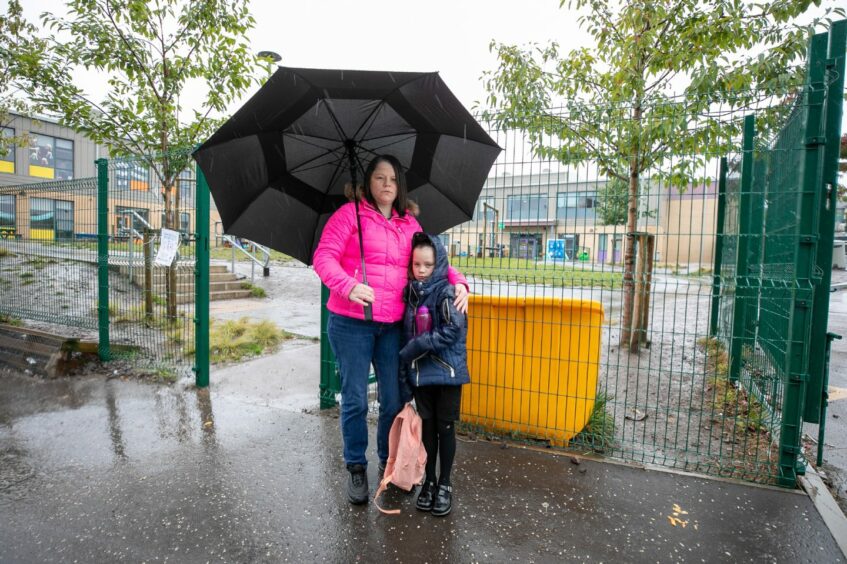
<point>79,258</point>
<point>732,246</point>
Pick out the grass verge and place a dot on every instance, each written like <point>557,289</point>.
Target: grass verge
<point>231,341</point>
<point>531,272</point>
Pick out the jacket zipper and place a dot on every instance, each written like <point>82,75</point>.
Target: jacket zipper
<point>417,370</point>
<point>445,365</point>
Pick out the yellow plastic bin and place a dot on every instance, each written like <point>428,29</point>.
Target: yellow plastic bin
<point>533,364</point>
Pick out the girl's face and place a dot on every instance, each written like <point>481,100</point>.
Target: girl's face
<point>423,263</point>
<point>384,184</point>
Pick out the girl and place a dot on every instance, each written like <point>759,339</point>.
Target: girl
<point>434,364</point>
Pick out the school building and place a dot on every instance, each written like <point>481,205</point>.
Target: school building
<point>65,212</point>
<point>518,215</point>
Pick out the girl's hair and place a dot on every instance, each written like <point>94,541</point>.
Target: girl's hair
<point>419,240</point>
<point>401,202</point>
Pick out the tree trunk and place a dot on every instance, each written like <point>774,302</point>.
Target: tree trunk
<point>631,227</point>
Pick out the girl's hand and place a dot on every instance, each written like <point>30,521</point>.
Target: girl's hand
<point>461,301</point>
<point>361,294</point>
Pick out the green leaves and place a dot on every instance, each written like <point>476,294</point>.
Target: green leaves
<point>18,50</point>
<point>649,87</point>
<point>151,52</point>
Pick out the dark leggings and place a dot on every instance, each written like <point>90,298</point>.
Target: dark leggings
<point>439,439</point>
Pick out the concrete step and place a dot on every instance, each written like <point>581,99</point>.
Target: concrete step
<point>224,286</point>
<point>229,295</point>
<point>222,277</point>
<point>218,268</point>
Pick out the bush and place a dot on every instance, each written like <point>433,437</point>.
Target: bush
<point>230,341</point>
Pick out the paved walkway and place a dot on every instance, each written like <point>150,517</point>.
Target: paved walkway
<point>107,470</point>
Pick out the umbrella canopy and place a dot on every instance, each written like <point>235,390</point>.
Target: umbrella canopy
<point>278,167</point>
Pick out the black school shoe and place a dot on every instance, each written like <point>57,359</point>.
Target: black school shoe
<point>357,484</point>
<point>427,497</point>
<point>443,501</point>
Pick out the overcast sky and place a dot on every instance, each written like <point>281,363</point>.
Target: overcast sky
<point>449,36</point>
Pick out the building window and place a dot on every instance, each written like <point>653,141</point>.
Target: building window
<point>7,161</point>
<point>186,184</point>
<point>525,245</point>
<point>64,219</point>
<point>8,216</point>
<point>185,223</point>
<point>576,205</point>
<point>483,213</point>
<point>132,176</point>
<point>51,219</point>
<point>127,218</point>
<point>51,158</point>
<point>526,207</point>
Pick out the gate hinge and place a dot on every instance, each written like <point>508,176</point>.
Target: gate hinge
<point>803,297</point>
<point>815,141</point>
<point>798,377</point>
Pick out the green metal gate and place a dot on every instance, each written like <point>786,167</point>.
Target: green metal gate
<point>735,296</point>
<point>79,257</point>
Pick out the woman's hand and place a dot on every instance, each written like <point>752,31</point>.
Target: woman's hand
<point>361,294</point>
<point>461,301</point>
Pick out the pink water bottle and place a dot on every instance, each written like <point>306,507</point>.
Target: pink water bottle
<point>423,321</point>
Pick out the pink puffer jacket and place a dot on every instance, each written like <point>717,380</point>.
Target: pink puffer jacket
<point>388,246</point>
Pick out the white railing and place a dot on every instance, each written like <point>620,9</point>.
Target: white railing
<point>248,248</point>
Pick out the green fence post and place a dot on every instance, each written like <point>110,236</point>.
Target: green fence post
<point>716,272</point>
<point>103,347</point>
<point>201,283</point>
<point>742,275</point>
<point>834,80</point>
<point>330,383</point>
<point>755,251</point>
<point>825,397</point>
<point>791,461</point>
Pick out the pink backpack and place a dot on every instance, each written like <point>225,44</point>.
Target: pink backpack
<point>406,455</point>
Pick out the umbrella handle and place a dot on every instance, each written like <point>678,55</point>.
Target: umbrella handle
<point>369,316</point>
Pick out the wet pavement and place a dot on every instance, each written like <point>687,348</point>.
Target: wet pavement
<point>112,470</point>
<point>835,440</point>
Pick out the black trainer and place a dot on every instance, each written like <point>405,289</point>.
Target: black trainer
<point>427,497</point>
<point>380,472</point>
<point>357,484</point>
<point>443,501</point>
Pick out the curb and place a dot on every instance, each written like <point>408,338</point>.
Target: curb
<point>829,510</point>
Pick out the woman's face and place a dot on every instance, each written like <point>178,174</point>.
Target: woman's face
<point>384,185</point>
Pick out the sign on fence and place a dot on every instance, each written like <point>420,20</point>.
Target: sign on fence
<point>167,247</point>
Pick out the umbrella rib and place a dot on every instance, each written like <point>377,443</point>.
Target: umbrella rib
<point>390,136</point>
<point>336,173</point>
<point>299,168</point>
<point>369,121</point>
<point>318,165</point>
<point>336,123</point>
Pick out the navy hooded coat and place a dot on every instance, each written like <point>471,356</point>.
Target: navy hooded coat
<point>438,357</point>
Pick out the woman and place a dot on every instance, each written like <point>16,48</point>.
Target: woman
<point>387,229</point>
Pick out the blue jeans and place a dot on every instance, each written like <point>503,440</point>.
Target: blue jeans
<point>357,344</point>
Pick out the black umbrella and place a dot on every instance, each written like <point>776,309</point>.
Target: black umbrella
<point>278,167</point>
